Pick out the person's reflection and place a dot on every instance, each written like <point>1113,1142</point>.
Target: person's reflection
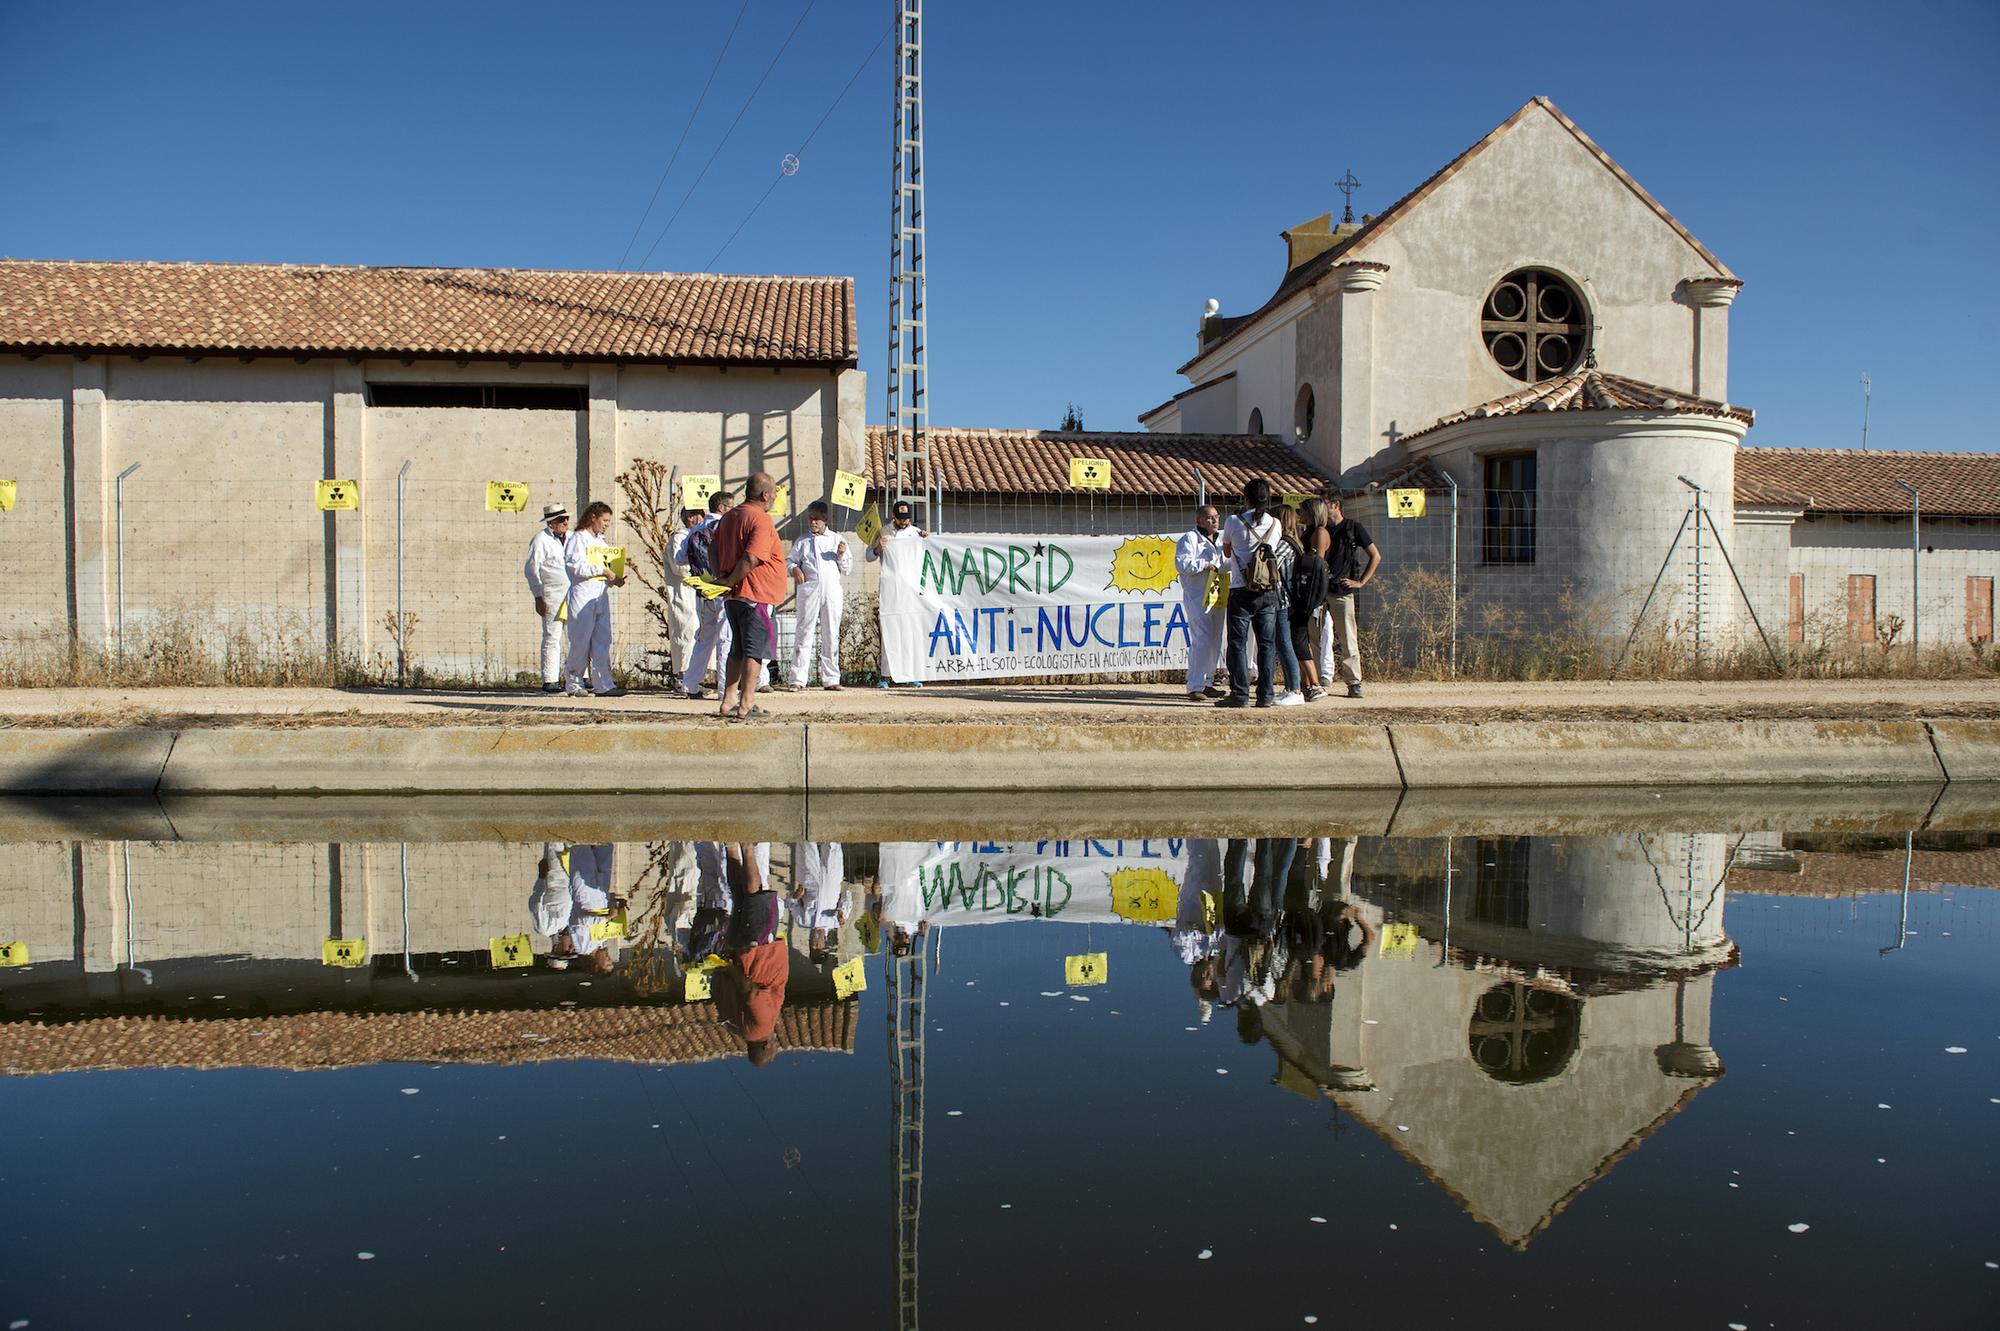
<point>591,903</point>
<point>549,904</point>
<point>1253,953</point>
<point>1196,933</point>
<point>819,897</point>
<point>750,991</point>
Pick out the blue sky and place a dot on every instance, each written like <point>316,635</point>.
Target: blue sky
<point>1096,171</point>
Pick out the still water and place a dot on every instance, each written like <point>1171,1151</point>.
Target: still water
<point>1734,1066</point>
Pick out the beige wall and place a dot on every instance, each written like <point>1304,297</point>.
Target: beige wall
<point>220,524</point>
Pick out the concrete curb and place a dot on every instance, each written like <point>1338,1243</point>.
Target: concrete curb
<point>862,757</point>
<point>83,762</point>
<point>1969,750</point>
<point>1646,753</point>
<point>447,759</point>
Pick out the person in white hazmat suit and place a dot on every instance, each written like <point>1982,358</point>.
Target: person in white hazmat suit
<point>548,583</point>
<point>590,606</point>
<point>591,903</point>
<point>819,895</point>
<point>1199,554</point>
<point>549,904</point>
<point>683,604</point>
<point>712,637</point>
<point>818,561</point>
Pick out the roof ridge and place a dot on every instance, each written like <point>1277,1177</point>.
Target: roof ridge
<point>242,265</point>
<point>1941,455</point>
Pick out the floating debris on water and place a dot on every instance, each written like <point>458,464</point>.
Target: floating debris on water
<point>1204,1254</point>
<point>1798,1227</point>
<point>364,1256</point>
<point>409,1090</point>
<point>1954,1049</point>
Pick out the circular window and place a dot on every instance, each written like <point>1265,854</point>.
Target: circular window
<point>1534,325</point>
<point>1302,415</point>
<point>1256,420</point>
<point>1519,1034</point>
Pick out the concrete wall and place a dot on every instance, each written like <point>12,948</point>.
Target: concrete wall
<point>220,523</point>
<point>1825,550</point>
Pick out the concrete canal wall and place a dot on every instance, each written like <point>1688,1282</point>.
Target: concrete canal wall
<point>944,758</point>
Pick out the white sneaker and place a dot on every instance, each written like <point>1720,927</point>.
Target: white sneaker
<point>574,689</point>
<point>1291,699</point>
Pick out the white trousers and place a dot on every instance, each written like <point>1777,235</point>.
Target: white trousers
<point>1338,641</point>
<point>818,620</point>
<point>552,644</point>
<point>1208,633</point>
<point>590,644</point>
<point>712,641</point>
<point>683,622</point>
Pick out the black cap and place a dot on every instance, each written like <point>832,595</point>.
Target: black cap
<point>901,509</point>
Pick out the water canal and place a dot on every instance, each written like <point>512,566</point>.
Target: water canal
<point>1729,1065</point>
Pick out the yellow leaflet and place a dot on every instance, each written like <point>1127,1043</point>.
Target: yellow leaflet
<point>1211,911</point>
<point>697,987</point>
<point>348,952</point>
<point>1090,473</point>
<point>1406,503</point>
<point>1147,896</point>
<point>696,491</point>
<point>612,926</point>
<point>1217,591</point>
<point>708,588</point>
<point>781,502</point>
<point>849,979</point>
<point>6,495</point>
<point>512,951</point>
<point>337,496</point>
<point>506,496</point>
<point>849,490</point>
<point>1086,968</point>
<point>870,526</point>
<point>13,954</point>
<point>610,558</point>
<point>1399,940</point>
<point>711,962</point>
<point>562,617</point>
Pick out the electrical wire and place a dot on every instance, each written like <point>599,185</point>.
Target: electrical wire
<point>676,156</point>
<point>726,133</point>
<point>799,153</point>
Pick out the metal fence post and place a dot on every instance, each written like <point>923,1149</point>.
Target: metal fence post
<point>1916,545</point>
<point>402,623</point>
<point>118,517</point>
<point>1452,481</point>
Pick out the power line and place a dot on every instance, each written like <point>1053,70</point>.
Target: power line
<point>713,70</point>
<point>799,154</point>
<point>725,137</point>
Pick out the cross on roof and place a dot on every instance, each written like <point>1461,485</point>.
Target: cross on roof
<point>1347,184</point>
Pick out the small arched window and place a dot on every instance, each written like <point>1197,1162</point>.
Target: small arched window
<point>1302,415</point>
<point>1256,425</point>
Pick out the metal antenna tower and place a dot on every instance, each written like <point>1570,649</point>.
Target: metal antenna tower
<point>909,377</point>
<point>904,979</point>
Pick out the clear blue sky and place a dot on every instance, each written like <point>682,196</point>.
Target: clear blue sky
<point>1096,171</point>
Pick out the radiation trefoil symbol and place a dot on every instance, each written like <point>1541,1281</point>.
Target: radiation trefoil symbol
<point>1143,564</point>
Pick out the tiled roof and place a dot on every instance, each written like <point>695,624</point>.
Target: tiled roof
<point>667,1033</point>
<point>1591,389</point>
<point>1306,274</point>
<point>1847,480</point>
<point>294,309</point>
<point>1030,462</point>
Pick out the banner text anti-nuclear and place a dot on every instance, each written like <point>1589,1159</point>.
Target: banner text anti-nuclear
<point>976,606</point>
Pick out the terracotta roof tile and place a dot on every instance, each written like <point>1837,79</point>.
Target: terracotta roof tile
<point>1847,480</point>
<point>459,312</point>
<point>1591,389</point>
<point>665,1033</point>
<point>1036,462</point>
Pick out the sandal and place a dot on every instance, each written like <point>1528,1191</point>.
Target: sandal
<point>755,713</point>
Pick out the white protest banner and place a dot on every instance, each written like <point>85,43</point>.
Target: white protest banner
<point>1074,881</point>
<point>970,607</point>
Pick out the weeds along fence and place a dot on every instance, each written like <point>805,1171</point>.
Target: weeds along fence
<point>419,580</point>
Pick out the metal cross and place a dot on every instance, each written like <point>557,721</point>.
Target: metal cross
<point>1347,184</point>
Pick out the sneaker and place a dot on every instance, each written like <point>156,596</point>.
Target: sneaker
<point>1217,691</point>
<point>572,689</point>
<point>552,688</point>
<point>1290,698</point>
<point>881,683</point>
<point>1264,702</point>
<point>1354,690</point>
<point>1197,696</point>
<point>832,688</point>
<point>1315,693</point>
<point>613,692</point>
<point>916,683</point>
<point>1233,701</point>
<point>694,695</point>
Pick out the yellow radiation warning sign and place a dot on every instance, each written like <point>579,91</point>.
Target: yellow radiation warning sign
<point>1406,503</point>
<point>849,979</point>
<point>695,986</point>
<point>506,496</point>
<point>346,952</point>
<point>696,491</point>
<point>6,495</point>
<point>1399,940</point>
<point>1143,564</point>
<point>610,558</point>
<point>1216,592</point>
<point>510,952</point>
<point>781,502</point>
<point>870,526</point>
<point>13,954</point>
<point>1089,474</point>
<point>849,490</point>
<point>337,496</point>
<point>609,927</point>
<point>1086,968</point>
<point>1298,501</point>
<point>1146,896</point>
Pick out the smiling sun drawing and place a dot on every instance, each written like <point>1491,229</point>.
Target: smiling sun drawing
<point>1143,564</point>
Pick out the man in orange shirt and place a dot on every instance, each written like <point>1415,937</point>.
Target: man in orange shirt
<point>751,562</point>
<point>751,991</point>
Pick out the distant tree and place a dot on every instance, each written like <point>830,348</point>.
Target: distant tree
<point>1072,418</point>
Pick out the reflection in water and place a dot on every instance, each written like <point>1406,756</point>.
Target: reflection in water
<point>1512,1015</point>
